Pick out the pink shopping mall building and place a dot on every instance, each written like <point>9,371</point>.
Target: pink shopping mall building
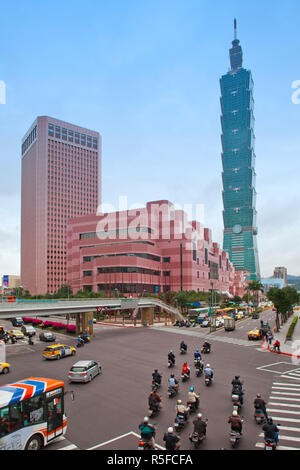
<point>150,250</point>
<point>61,179</point>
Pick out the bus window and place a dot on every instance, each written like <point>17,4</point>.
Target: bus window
<point>33,411</point>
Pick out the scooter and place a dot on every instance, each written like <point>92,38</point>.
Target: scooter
<point>185,377</point>
<point>236,400</point>
<point>30,341</point>
<point>183,351</point>
<point>172,392</point>
<point>179,422</point>
<point>208,380</point>
<point>205,350</point>
<point>80,344</point>
<point>145,444</point>
<point>270,444</point>
<point>153,411</point>
<point>171,363</point>
<point>155,385</point>
<point>193,407</point>
<point>199,371</point>
<point>259,416</point>
<point>234,438</point>
<point>197,439</point>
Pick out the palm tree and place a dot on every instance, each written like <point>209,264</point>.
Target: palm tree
<point>255,287</point>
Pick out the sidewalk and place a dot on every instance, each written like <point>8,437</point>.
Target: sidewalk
<point>286,348</point>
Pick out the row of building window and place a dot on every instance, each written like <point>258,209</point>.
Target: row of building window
<point>29,140</point>
<point>87,259</point>
<point>130,269</point>
<point>71,136</point>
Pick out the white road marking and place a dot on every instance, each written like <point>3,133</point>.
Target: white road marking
<point>284,398</point>
<point>286,384</point>
<point>291,405</point>
<point>110,441</point>
<point>273,410</point>
<point>261,445</point>
<point>285,438</point>
<point>285,393</point>
<point>70,447</point>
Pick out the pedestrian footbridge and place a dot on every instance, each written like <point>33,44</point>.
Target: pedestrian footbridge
<point>84,309</point>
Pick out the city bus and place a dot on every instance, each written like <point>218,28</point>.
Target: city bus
<point>229,311</point>
<point>31,413</point>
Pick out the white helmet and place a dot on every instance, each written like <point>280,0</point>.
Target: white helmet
<point>179,402</point>
<point>146,419</point>
<point>235,413</point>
<point>208,365</point>
<point>199,415</point>
<point>170,430</point>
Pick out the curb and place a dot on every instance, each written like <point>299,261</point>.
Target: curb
<point>275,352</point>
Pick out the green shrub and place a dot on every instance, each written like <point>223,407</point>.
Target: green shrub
<point>291,328</point>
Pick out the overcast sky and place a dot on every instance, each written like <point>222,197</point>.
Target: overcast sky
<point>145,74</point>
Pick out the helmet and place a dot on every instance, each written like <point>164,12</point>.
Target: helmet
<point>146,419</point>
<point>199,415</point>
<point>185,364</point>
<point>172,376</point>
<point>234,413</point>
<point>197,350</point>
<point>170,430</point>
<point>171,350</point>
<point>179,402</point>
<point>270,421</point>
<point>258,395</point>
<point>208,365</point>
<point>192,389</point>
<point>155,370</point>
<point>237,377</point>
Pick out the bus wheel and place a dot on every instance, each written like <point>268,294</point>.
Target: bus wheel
<point>34,443</point>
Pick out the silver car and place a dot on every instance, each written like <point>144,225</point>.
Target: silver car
<point>84,371</point>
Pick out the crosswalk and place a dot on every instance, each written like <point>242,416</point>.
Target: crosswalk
<point>284,408</point>
<point>197,334</point>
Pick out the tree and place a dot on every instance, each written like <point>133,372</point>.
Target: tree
<point>255,287</point>
<point>283,300</point>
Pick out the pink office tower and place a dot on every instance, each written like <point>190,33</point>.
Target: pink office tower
<point>61,176</point>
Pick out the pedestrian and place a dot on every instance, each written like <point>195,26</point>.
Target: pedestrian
<point>269,337</point>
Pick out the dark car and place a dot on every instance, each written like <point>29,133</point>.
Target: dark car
<point>255,316</point>
<point>47,336</point>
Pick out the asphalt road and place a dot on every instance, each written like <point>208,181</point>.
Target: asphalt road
<point>106,412</point>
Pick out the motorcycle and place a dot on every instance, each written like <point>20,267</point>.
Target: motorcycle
<point>86,338</point>
<point>179,422</point>
<point>270,444</point>
<point>236,400</point>
<point>197,439</point>
<point>259,416</point>
<point>234,438</point>
<point>153,411</point>
<point>199,371</point>
<point>185,377</point>
<point>172,392</point>
<point>30,341</point>
<point>79,344</point>
<point>193,407</point>
<point>205,350</point>
<point>171,363</point>
<point>13,339</point>
<point>155,385</point>
<point>145,444</point>
<point>183,351</point>
<point>208,380</point>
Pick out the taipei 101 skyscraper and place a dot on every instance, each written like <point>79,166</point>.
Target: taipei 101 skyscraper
<point>238,159</point>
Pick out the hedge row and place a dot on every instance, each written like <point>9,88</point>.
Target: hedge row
<point>50,324</point>
<point>291,328</point>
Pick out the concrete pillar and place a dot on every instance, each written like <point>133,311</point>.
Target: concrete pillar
<point>147,315</point>
<point>88,322</point>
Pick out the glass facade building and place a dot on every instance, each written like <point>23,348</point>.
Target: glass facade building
<point>238,160</point>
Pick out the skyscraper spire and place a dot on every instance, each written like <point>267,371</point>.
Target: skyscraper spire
<point>236,53</point>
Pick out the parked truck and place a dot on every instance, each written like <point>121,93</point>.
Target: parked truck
<point>229,323</point>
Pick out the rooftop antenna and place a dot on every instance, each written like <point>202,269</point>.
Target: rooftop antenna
<point>235,29</point>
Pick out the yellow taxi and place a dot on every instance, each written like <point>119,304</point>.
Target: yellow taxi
<point>239,316</point>
<point>254,334</point>
<point>58,351</point>
<point>17,333</point>
<point>4,367</point>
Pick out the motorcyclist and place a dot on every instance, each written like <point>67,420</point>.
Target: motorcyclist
<point>193,398</point>
<point>237,388</point>
<point>271,430</point>
<point>260,404</point>
<point>156,377</point>
<point>173,382</point>
<point>80,341</point>
<point>185,369</point>
<point>154,401</point>
<point>200,425</point>
<point>172,440</point>
<point>206,346</point>
<point>236,422</point>
<point>181,409</point>
<point>171,357</point>
<point>147,431</point>
<point>208,371</point>
<point>183,346</point>
<point>197,354</point>
<point>276,346</point>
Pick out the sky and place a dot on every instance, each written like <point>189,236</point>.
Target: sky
<point>145,74</point>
